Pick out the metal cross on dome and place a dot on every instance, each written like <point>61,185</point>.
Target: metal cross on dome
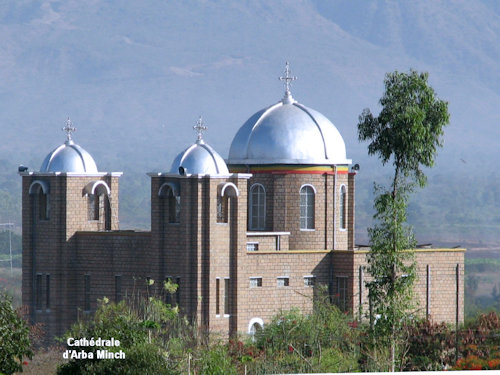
<point>287,78</point>
<point>200,128</point>
<point>69,128</point>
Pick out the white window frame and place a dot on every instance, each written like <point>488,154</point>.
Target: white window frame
<point>257,278</point>
<point>306,217</point>
<point>256,244</point>
<point>286,281</point>
<point>309,277</point>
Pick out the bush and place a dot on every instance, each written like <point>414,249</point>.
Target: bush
<point>326,340</point>
<point>431,346</point>
<point>216,361</point>
<point>14,338</point>
<point>139,340</point>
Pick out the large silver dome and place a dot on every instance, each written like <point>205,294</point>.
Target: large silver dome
<point>199,158</point>
<point>288,133</point>
<point>69,157</point>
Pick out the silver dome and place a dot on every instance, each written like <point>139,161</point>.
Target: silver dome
<point>69,157</point>
<point>288,133</point>
<point>199,158</point>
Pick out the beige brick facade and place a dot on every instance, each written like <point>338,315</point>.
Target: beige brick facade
<point>229,274</point>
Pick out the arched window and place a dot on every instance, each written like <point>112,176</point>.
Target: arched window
<point>257,207</point>
<point>225,192</point>
<point>172,202</point>
<point>307,207</point>
<point>255,326</point>
<point>40,191</point>
<point>343,207</point>
<point>98,204</point>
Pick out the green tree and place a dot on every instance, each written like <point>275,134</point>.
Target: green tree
<point>407,132</point>
<point>14,338</point>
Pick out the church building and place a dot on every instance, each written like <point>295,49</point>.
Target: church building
<point>242,237</point>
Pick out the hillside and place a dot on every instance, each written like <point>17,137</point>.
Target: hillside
<point>135,76</point>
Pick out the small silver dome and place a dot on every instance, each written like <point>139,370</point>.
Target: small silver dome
<point>199,158</point>
<point>69,157</point>
<point>288,133</point>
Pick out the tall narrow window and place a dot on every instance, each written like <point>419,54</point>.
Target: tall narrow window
<point>38,296</point>
<point>226,296</point>
<point>257,207</point>
<point>342,293</point>
<point>226,196</point>
<point>42,205</point>
<point>222,209</point>
<point>217,296</point>
<point>171,202</point>
<point>47,292</point>
<point>86,293</point>
<point>307,207</point>
<point>39,191</point>
<point>343,207</point>
<point>93,207</point>
<point>99,205</point>
<point>174,207</point>
<point>118,288</point>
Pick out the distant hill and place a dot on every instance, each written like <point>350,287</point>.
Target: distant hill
<point>135,76</point>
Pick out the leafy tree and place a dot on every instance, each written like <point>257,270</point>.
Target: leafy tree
<point>14,338</point>
<point>407,132</point>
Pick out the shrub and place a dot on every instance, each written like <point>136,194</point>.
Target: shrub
<point>138,335</point>
<point>326,340</point>
<point>431,346</point>
<point>14,338</point>
<point>216,361</point>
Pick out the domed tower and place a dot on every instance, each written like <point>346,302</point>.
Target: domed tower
<point>65,196</point>
<point>301,182</point>
<point>198,224</point>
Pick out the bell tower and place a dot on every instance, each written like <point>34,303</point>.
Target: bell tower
<point>66,195</point>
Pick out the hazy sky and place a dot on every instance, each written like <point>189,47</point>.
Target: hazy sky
<point>138,74</point>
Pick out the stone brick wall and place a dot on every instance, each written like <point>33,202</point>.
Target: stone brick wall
<point>104,255</point>
<point>198,250</point>
<point>266,301</point>
<point>48,245</point>
<point>442,287</point>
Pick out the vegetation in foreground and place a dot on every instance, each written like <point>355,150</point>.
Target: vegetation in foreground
<point>157,339</point>
<point>14,337</point>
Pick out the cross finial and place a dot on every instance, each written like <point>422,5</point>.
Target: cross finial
<point>287,78</point>
<point>200,128</point>
<point>68,129</point>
